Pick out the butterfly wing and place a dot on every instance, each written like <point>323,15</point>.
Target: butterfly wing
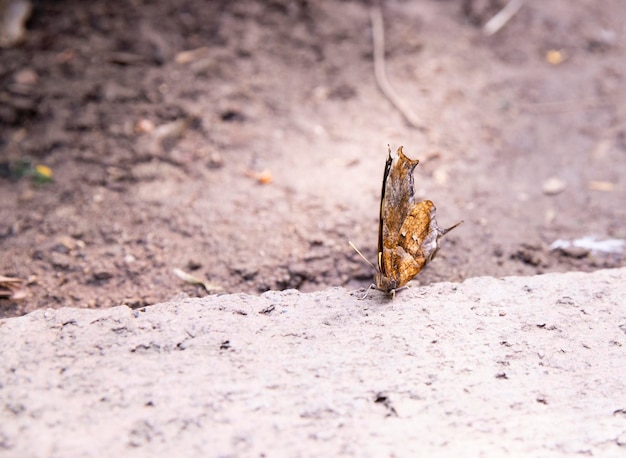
<point>419,237</point>
<point>408,234</point>
<point>397,200</point>
<point>382,205</point>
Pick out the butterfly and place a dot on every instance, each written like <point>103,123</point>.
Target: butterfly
<point>408,234</point>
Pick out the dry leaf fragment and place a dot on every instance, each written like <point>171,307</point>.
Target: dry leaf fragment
<point>193,280</point>
<point>591,243</point>
<point>66,56</point>
<point>168,132</point>
<point>264,177</point>
<point>12,288</point>
<point>44,172</point>
<point>184,57</point>
<point>555,57</point>
<point>172,129</point>
<point>605,186</point>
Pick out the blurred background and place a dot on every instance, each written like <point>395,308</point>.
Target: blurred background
<point>156,149</point>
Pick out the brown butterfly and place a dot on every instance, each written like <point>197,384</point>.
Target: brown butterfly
<point>408,234</point>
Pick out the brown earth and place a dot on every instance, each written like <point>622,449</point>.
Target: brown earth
<point>251,161</point>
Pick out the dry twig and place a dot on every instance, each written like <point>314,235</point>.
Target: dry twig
<point>193,280</point>
<point>502,17</point>
<point>12,288</point>
<point>378,33</point>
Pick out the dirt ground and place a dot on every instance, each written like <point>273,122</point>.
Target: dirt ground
<point>244,143</point>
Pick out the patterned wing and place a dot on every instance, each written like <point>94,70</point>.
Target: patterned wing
<point>396,203</point>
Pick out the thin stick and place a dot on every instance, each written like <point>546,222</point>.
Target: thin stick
<point>378,33</point>
<point>502,17</point>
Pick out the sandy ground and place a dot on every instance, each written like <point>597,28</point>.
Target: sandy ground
<point>518,366</point>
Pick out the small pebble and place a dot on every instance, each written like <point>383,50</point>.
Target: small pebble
<point>553,186</point>
<point>26,76</point>
<point>440,175</point>
<point>575,252</point>
<point>144,126</point>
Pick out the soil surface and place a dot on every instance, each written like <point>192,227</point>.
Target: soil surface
<point>513,367</point>
<point>244,143</point>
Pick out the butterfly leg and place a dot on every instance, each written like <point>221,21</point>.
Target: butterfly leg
<point>394,291</point>
<point>367,291</point>
<point>413,293</point>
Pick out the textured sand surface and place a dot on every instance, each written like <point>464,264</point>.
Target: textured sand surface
<point>520,366</point>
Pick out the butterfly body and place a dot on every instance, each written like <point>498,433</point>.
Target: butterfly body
<point>408,234</point>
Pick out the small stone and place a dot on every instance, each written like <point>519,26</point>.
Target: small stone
<point>26,77</point>
<point>102,275</point>
<point>575,252</point>
<point>440,175</point>
<point>553,186</point>
<point>144,126</point>
<point>215,160</point>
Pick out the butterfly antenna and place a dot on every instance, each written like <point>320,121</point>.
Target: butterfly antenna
<point>361,254</point>
<point>445,231</point>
